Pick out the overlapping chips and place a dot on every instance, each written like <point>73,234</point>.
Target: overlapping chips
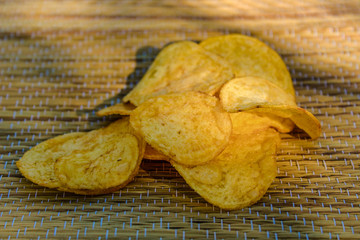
<point>37,164</point>
<point>152,154</point>
<point>249,56</point>
<point>250,92</point>
<point>242,173</point>
<point>261,96</point>
<point>190,128</point>
<point>97,162</point>
<point>118,109</point>
<point>179,67</point>
<point>302,118</point>
<point>214,110</point>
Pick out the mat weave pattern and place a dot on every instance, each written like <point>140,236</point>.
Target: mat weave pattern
<point>61,61</point>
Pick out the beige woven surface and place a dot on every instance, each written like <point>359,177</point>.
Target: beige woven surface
<point>60,61</point>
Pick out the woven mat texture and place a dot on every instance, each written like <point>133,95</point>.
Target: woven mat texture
<point>61,61</point>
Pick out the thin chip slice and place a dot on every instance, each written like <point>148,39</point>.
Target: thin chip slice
<point>111,164</point>
<point>179,67</point>
<point>250,92</point>
<point>37,164</point>
<point>282,125</point>
<point>191,128</point>
<point>241,174</point>
<point>302,118</point>
<point>106,160</point>
<point>118,109</point>
<point>249,56</point>
<point>152,154</point>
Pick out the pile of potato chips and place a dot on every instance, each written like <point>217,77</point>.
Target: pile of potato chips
<point>214,110</point>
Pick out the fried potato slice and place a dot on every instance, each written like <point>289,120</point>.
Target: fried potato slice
<point>105,160</point>
<point>117,109</point>
<point>242,173</point>
<point>191,128</point>
<point>112,163</point>
<point>179,67</point>
<point>302,118</point>
<point>152,154</point>
<point>37,164</point>
<point>268,120</point>
<point>250,92</point>
<point>249,56</point>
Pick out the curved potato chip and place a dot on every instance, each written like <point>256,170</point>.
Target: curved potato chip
<point>152,154</point>
<point>241,174</point>
<point>110,164</point>
<point>179,67</point>
<point>250,92</point>
<point>267,120</point>
<point>303,119</point>
<point>37,164</point>
<point>119,109</point>
<point>105,160</point>
<point>191,128</point>
<point>249,56</point>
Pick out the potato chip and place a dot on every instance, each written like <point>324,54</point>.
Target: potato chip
<point>302,118</point>
<point>117,109</point>
<point>242,173</point>
<point>267,120</point>
<point>37,164</point>
<point>179,67</point>
<point>112,163</point>
<point>191,128</point>
<point>152,154</point>
<point>250,92</point>
<point>105,160</point>
<point>250,57</point>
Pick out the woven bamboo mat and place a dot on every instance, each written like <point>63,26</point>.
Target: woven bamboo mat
<point>60,61</point>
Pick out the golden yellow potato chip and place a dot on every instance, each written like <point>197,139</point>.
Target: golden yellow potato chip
<point>241,174</point>
<point>249,56</point>
<point>105,160</point>
<point>111,163</point>
<point>117,109</point>
<point>267,120</point>
<point>179,67</point>
<point>250,92</point>
<point>152,154</point>
<point>302,118</point>
<point>37,164</point>
<point>191,128</point>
